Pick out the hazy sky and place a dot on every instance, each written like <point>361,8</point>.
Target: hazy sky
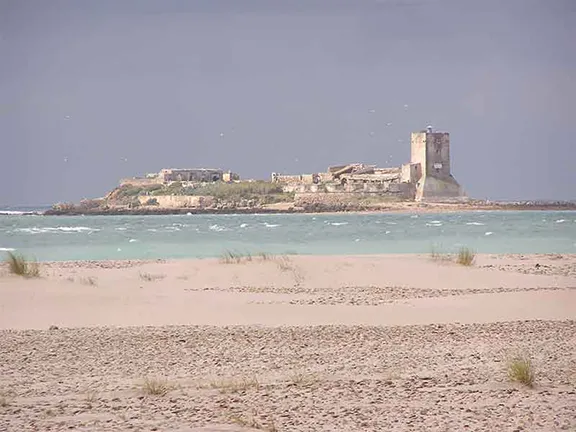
<point>95,90</point>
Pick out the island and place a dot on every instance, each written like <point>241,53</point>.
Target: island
<point>424,184</point>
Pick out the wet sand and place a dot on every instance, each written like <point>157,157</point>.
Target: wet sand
<point>290,343</point>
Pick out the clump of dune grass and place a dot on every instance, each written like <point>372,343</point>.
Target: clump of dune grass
<point>232,257</point>
<point>264,256</point>
<point>284,263</point>
<point>466,257</point>
<point>5,398</point>
<point>149,277</point>
<point>21,266</point>
<point>303,379</point>
<point>91,398</point>
<point>235,385</point>
<point>252,421</point>
<point>89,280</point>
<point>520,370</point>
<point>156,386</point>
<point>437,255</point>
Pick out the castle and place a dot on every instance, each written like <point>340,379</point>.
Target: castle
<point>426,177</point>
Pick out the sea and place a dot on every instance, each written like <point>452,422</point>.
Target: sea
<point>65,238</point>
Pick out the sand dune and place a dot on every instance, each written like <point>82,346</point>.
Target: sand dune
<point>290,344</point>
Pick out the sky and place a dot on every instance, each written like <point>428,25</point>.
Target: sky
<point>92,91</point>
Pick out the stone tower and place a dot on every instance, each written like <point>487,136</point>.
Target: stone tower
<point>430,153</point>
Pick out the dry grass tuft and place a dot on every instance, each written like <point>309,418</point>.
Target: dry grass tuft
<point>520,370</point>
<point>264,256</point>
<point>149,277</point>
<point>19,265</point>
<point>466,257</point>
<point>231,257</point>
<point>252,421</point>
<point>5,398</point>
<point>89,280</point>
<point>303,379</point>
<point>438,255</point>
<point>156,386</point>
<point>91,398</point>
<point>235,385</point>
<point>284,263</point>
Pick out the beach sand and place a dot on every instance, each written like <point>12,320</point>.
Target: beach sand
<point>290,343</point>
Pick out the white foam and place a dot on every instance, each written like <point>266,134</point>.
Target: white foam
<point>217,228</point>
<point>62,229</point>
<point>475,223</point>
<point>3,249</point>
<point>172,228</point>
<point>244,225</point>
<point>561,221</point>
<point>392,223</point>
<point>357,240</point>
<point>188,214</point>
<point>432,224</point>
<point>489,233</point>
<point>120,229</point>
<point>132,240</point>
<point>414,216</point>
<point>388,232</point>
<point>338,223</point>
<point>271,225</point>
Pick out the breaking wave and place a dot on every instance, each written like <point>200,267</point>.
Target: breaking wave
<point>62,229</point>
<point>218,228</point>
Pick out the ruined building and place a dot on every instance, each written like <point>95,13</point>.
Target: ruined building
<point>429,166</point>
<point>184,175</point>
<point>426,177</point>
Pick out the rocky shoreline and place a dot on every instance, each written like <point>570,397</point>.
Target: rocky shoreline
<point>339,208</point>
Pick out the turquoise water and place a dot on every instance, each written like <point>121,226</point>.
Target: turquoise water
<point>145,237</point>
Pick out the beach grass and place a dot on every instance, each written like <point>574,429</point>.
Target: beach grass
<point>21,266</point>
<point>233,257</point>
<point>235,385</point>
<point>437,254</point>
<point>521,370</point>
<point>466,257</point>
<point>156,386</point>
<point>149,277</point>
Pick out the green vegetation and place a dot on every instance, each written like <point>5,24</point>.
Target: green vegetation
<point>19,265</point>
<point>520,370</point>
<point>151,202</point>
<point>262,192</point>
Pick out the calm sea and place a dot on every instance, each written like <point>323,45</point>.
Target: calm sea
<point>186,236</point>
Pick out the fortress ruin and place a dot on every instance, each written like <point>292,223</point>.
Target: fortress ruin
<point>426,177</point>
<point>183,175</point>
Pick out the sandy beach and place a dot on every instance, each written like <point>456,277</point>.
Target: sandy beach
<point>289,343</point>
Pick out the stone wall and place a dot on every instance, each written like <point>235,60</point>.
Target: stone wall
<point>140,181</point>
<point>402,190</point>
<point>178,201</point>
